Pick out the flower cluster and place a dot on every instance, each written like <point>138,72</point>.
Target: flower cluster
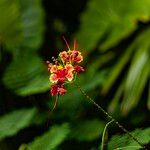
<point>64,69</point>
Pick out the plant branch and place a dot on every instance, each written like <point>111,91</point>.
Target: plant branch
<point>110,117</point>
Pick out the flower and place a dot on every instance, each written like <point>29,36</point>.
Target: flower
<point>64,56</point>
<point>63,69</point>
<point>78,69</point>
<point>76,56</point>
<point>57,89</point>
<point>61,74</point>
<point>72,56</point>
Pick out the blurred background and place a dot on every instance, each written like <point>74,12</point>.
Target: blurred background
<point>114,38</point>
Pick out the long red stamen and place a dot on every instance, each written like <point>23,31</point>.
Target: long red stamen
<point>66,42</point>
<point>75,46</point>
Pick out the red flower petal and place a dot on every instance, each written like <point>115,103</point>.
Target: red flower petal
<point>54,89</point>
<point>57,89</point>
<point>78,69</point>
<point>53,78</point>
<point>62,90</point>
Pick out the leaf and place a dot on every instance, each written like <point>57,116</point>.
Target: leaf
<point>148,102</point>
<point>115,101</point>
<point>139,43</point>
<point>25,27</point>
<point>10,24</point>
<point>12,123</point>
<point>119,141</point>
<point>51,139</point>
<point>137,76</point>
<point>102,21</point>
<point>88,130</point>
<point>27,75</point>
<point>117,68</point>
<point>32,17</point>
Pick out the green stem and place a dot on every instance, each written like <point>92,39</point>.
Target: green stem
<point>56,102</point>
<point>110,117</point>
<point>104,133</point>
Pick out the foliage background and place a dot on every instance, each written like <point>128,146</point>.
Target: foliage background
<point>113,36</point>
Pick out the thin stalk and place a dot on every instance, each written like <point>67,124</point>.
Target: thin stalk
<point>50,111</point>
<point>110,117</point>
<point>55,104</point>
<point>104,133</point>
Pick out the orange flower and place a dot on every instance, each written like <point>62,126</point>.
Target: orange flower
<point>76,56</point>
<point>72,56</point>
<point>64,69</point>
<point>64,56</point>
<point>60,73</point>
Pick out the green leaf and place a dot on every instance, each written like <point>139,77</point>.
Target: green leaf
<point>119,141</point>
<point>21,24</point>
<point>116,69</point>
<point>12,123</point>
<point>10,24</point>
<point>88,130</point>
<point>27,75</point>
<point>51,139</point>
<point>32,17</point>
<point>148,102</point>
<point>137,76</point>
<point>115,101</point>
<point>110,21</point>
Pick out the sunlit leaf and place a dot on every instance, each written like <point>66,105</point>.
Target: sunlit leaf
<point>21,24</point>
<point>13,122</point>
<point>137,76</point>
<point>110,21</point>
<point>27,75</point>
<point>119,141</point>
<point>10,23</point>
<point>51,139</point>
<point>148,102</point>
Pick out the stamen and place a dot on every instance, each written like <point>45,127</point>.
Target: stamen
<point>75,46</point>
<point>66,42</point>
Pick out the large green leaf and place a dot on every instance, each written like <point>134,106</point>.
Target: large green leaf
<point>27,75</point>
<point>137,76</point>
<point>123,141</point>
<point>51,139</point>
<point>136,79</point>
<point>10,23</point>
<point>21,23</point>
<point>88,130</point>
<point>148,102</point>
<point>32,18</point>
<point>110,21</point>
<point>13,122</point>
